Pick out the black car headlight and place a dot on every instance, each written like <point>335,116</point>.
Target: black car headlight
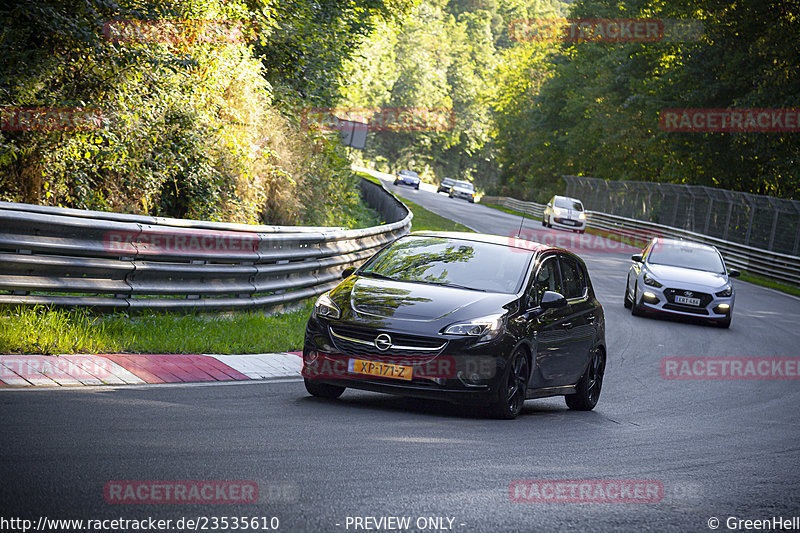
<point>487,327</point>
<point>651,281</point>
<point>324,307</point>
<point>724,293</point>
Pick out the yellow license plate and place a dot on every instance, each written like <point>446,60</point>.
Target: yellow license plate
<point>385,370</point>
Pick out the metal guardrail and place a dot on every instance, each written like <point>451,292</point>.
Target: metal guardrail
<point>112,261</point>
<point>772,265</point>
<point>758,221</point>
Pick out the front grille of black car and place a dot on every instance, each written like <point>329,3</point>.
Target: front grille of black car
<point>408,348</point>
<point>705,299</point>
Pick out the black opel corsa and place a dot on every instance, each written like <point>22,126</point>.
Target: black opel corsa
<point>462,317</point>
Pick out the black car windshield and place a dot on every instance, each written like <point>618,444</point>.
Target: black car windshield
<point>465,184</point>
<point>409,173</point>
<point>566,203</point>
<point>452,262</point>
<point>686,256</point>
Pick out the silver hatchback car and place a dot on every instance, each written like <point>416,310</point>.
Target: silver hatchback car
<point>681,278</point>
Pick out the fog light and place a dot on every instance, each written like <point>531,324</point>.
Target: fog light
<point>472,381</point>
<point>724,307</point>
<point>649,296</point>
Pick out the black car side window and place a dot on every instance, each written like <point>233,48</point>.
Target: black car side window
<point>574,280</point>
<point>547,279</point>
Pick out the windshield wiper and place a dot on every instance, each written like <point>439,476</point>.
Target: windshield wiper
<point>454,285</point>
<point>378,275</point>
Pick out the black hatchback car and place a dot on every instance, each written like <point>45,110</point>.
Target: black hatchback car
<point>462,317</point>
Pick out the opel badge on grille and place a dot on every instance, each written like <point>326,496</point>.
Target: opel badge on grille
<point>383,342</point>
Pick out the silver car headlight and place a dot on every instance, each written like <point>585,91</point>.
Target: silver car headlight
<point>724,293</point>
<point>487,327</point>
<point>324,307</point>
<point>649,280</point>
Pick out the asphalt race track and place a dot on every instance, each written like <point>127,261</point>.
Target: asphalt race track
<point>719,448</point>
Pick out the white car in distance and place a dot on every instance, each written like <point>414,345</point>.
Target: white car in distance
<point>566,213</point>
<point>463,189</point>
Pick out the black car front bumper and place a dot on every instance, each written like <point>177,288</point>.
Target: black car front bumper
<point>464,371</point>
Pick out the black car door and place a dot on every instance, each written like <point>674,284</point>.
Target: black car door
<point>545,329</point>
<point>580,324</point>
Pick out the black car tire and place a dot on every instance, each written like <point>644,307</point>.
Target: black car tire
<point>590,385</point>
<point>582,231</point>
<point>472,200</point>
<point>543,222</point>
<point>627,300</point>
<point>323,390</point>
<point>396,182</point>
<point>515,387</point>
<point>417,187</point>
<point>636,309</point>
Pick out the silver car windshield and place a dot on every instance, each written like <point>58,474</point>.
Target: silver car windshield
<point>686,256</point>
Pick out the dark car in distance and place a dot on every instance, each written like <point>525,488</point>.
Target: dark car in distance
<point>407,177</point>
<point>461,317</point>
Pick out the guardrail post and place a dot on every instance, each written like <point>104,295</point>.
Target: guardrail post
<point>772,233</point>
<point>753,209</point>
<point>728,219</point>
<point>797,240</point>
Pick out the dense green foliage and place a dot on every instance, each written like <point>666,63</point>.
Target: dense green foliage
<point>596,108</point>
<point>190,126</point>
<point>442,55</point>
<point>530,111</point>
<point>211,129</point>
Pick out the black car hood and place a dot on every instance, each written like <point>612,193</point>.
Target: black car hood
<point>380,300</point>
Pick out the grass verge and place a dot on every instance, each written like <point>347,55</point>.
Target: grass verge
<point>746,276</point>
<point>425,220</point>
<point>40,330</point>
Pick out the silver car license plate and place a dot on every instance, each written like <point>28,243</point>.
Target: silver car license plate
<point>687,301</point>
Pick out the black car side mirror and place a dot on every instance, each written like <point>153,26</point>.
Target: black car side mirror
<point>553,300</point>
<point>637,258</point>
<point>347,272</point>
<point>733,273</point>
